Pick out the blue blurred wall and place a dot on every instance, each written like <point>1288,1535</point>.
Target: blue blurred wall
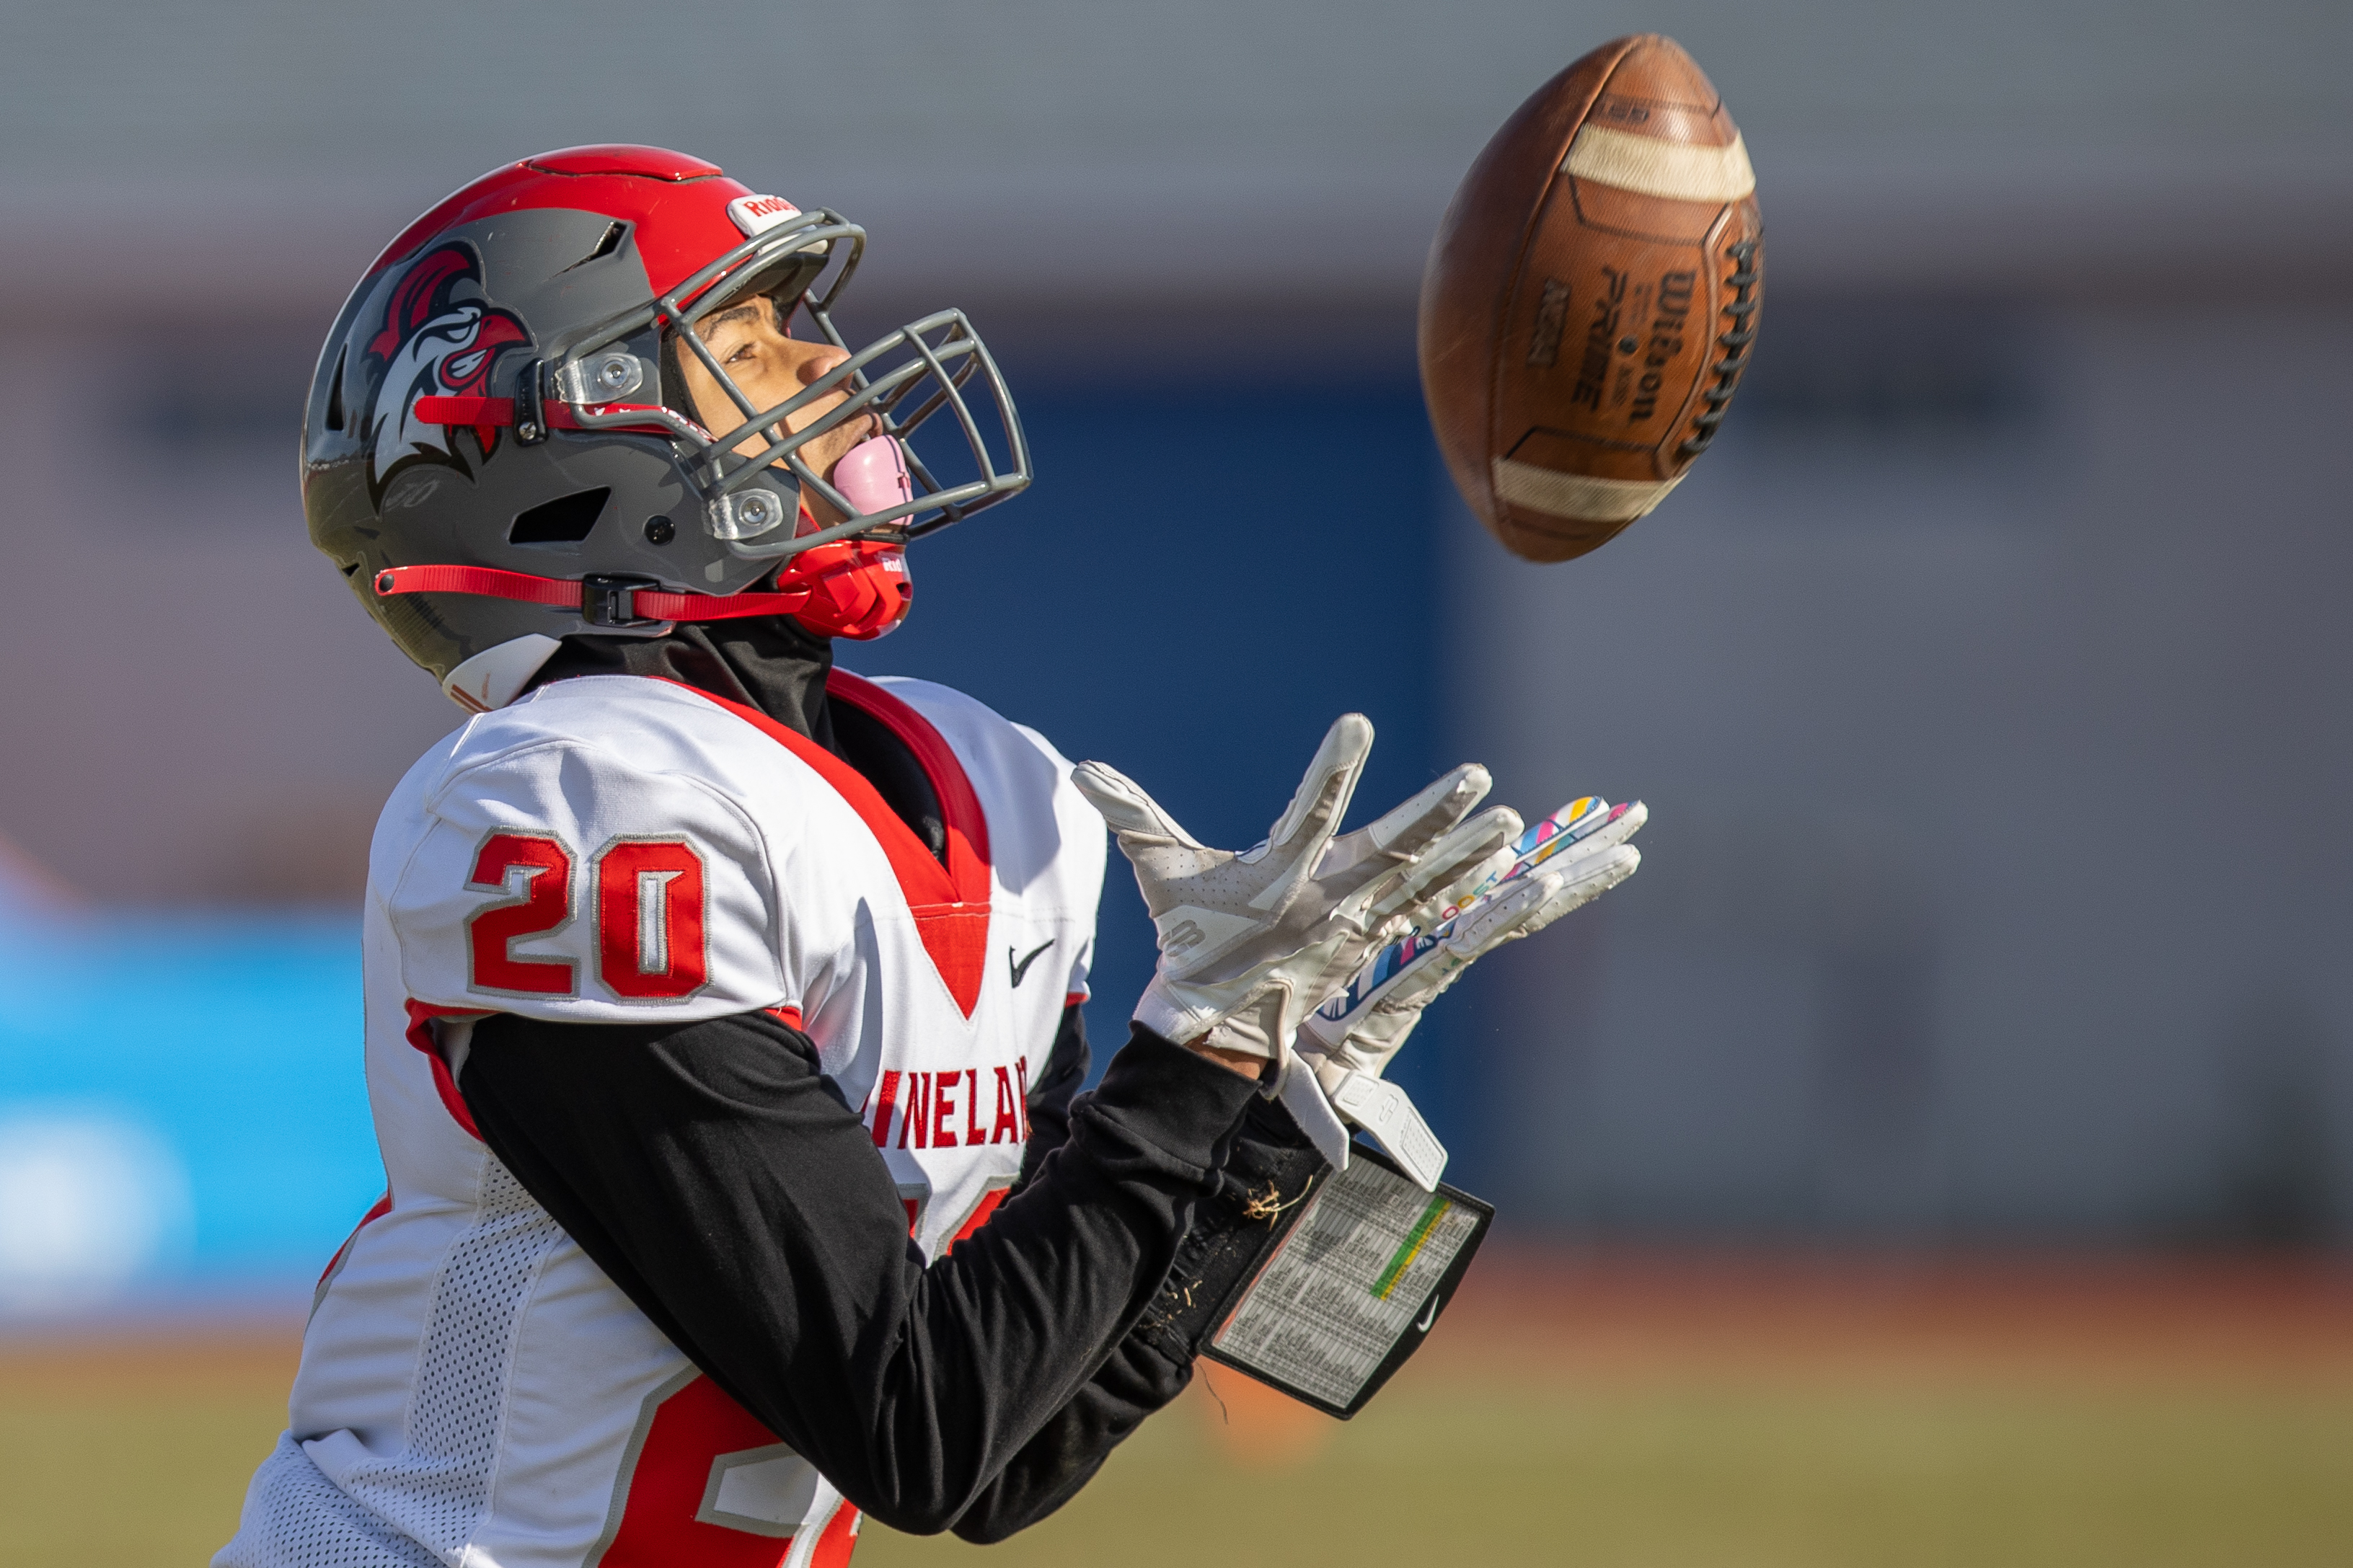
<point>210,1066</point>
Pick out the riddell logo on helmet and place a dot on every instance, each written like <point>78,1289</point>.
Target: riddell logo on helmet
<point>753,214</point>
<point>440,338</point>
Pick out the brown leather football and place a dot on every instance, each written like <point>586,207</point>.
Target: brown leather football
<point>1590,299</point>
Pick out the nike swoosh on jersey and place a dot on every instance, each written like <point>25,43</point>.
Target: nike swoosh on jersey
<point>1020,966</point>
<point>1428,1316</point>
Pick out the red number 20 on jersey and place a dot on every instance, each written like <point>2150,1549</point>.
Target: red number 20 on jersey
<point>653,937</point>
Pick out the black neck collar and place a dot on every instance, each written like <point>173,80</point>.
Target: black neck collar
<point>772,664</point>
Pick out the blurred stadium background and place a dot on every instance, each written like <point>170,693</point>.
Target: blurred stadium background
<point>1943,1152</point>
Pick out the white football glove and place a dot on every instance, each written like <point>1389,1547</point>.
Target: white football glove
<point>1570,858</point>
<point>1252,942</point>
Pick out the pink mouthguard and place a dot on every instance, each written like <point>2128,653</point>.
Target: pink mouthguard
<point>872,475</point>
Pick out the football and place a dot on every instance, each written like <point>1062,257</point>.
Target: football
<point>1591,299</point>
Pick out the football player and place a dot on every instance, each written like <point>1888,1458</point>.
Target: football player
<point>722,1008</point>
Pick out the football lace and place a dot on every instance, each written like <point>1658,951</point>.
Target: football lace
<point>1743,282</point>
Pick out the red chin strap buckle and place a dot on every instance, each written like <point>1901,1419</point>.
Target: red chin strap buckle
<point>601,600</point>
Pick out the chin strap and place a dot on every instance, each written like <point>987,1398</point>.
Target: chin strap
<point>601,600</point>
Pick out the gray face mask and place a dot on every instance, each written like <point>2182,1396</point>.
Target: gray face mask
<point>872,475</point>
<point>904,379</point>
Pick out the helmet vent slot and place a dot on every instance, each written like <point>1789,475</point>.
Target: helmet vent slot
<point>567,519</point>
<point>606,243</point>
<point>336,391</point>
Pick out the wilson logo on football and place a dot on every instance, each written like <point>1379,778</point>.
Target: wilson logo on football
<point>439,338</point>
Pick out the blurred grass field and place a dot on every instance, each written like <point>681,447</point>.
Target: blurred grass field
<point>1616,1410</point>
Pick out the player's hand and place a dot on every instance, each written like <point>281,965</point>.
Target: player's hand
<point>1570,858</point>
<point>1252,941</point>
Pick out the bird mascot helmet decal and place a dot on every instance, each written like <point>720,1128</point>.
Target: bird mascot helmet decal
<point>439,338</point>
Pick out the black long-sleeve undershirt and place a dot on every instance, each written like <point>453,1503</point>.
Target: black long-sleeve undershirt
<point>722,1182</point>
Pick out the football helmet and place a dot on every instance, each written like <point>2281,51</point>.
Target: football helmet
<point>499,448</point>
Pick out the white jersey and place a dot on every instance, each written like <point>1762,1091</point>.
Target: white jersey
<point>474,1391</point>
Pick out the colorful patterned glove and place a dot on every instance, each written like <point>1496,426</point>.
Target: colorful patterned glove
<point>1570,858</point>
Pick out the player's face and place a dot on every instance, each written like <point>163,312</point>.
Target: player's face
<point>768,365</point>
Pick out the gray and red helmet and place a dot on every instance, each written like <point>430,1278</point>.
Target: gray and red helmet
<point>497,451</point>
